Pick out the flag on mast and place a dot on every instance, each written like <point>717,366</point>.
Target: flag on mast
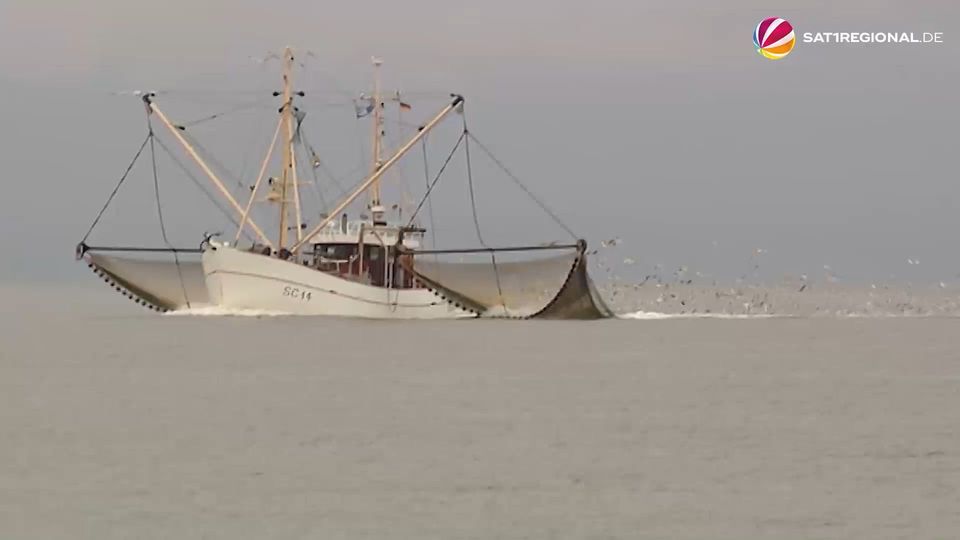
<point>363,106</point>
<point>403,105</point>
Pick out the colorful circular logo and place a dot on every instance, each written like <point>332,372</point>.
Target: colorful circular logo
<point>774,38</point>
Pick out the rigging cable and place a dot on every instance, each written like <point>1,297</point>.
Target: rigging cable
<point>476,220</point>
<point>405,190</point>
<point>210,157</point>
<point>436,179</point>
<point>426,180</point>
<point>529,193</point>
<point>322,164</point>
<point>199,186</point>
<point>361,162</point>
<point>236,108</point>
<point>116,189</point>
<point>254,141</point>
<point>312,160</point>
<point>163,228</point>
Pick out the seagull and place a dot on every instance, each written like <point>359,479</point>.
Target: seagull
<point>137,93</point>
<point>263,59</point>
<point>610,243</point>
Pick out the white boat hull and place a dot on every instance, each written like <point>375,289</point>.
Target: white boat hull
<point>238,279</point>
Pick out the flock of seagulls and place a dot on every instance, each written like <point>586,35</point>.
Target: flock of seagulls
<point>681,291</point>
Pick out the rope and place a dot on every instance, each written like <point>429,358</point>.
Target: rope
<point>473,200</point>
<point>398,168</point>
<point>476,219</point>
<point>326,170</point>
<point>212,159</point>
<point>199,185</point>
<point>163,228</point>
<point>117,188</point>
<point>529,193</point>
<point>426,180</point>
<point>435,180</point>
<point>236,108</point>
<point>361,162</point>
<point>257,136</point>
<point>313,172</point>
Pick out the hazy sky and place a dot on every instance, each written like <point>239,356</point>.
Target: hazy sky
<point>653,121</point>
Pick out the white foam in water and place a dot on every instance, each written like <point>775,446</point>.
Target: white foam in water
<point>653,315</point>
<point>217,311</point>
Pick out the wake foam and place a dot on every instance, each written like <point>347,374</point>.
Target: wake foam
<point>217,311</point>
<point>653,316</point>
<point>802,299</point>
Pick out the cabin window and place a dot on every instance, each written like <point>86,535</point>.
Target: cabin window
<point>335,251</point>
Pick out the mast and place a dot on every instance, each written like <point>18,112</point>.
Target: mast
<point>376,145</point>
<point>288,174</point>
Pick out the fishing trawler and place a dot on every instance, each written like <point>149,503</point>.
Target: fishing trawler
<point>375,266</point>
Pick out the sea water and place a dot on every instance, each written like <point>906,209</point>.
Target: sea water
<point>117,422</point>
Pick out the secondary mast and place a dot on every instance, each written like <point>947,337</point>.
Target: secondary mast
<point>376,145</point>
<point>455,103</point>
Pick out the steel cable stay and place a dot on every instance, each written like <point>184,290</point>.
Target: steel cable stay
<point>405,202</point>
<point>163,227</point>
<point>316,162</point>
<point>241,107</point>
<point>426,180</point>
<point>113,193</point>
<point>348,103</point>
<point>476,219</point>
<point>315,184</point>
<point>579,244</point>
<point>436,179</point>
<point>466,136</point>
<point>150,140</point>
<point>523,187</point>
<point>199,185</point>
<point>257,137</point>
<point>209,157</point>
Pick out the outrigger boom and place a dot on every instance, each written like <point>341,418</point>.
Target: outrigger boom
<point>152,108</point>
<point>456,102</point>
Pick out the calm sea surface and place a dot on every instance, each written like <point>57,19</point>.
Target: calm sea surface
<point>119,423</point>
